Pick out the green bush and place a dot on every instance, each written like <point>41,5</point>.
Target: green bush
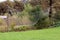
<point>22,28</point>
<point>43,23</point>
<point>35,13</point>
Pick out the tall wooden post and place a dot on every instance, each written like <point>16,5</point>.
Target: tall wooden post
<point>50,13</point>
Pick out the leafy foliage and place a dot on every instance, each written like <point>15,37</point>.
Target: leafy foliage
<point>35,13</point>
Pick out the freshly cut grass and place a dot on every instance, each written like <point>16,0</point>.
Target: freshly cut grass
<point>44,34</point>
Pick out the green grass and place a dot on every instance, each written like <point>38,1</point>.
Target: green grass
<point>44,34</point>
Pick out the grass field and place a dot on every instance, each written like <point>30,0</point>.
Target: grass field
<point>44,34</point>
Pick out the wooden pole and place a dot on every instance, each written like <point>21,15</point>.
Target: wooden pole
<point>50,13</point>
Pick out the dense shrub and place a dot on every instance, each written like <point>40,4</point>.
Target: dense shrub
<point>21,28</point>
<point>43,23</point>
<point>35,13</point>
<point>43,20</point>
